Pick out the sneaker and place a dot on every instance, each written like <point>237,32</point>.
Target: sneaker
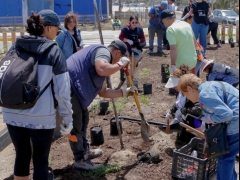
<point>151,52</point>
<point>94,153</point>
<point>50,174</point>
<point>219,45</point>
<point>86,165</point>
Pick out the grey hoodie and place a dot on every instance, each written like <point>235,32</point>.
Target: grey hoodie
<point>51,66</point>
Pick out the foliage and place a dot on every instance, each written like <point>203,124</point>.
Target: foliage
<point>119,103</point>
<point>95,108</point>
<point>144,99</point>
<point>100,172</point>
<point>144,73</point>
<point>166,68</point>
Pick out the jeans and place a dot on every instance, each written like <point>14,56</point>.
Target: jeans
<point>200,30</point>
<point>80,124</point>
<point>39,151</point>
<point>197,67</point>
<point>151,32</point>
<point>226,163</point>
<point>117,25</point>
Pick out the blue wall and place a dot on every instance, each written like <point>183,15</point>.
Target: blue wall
<point>10,8</point>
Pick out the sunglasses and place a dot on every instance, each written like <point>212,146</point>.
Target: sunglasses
<point>134,22</point>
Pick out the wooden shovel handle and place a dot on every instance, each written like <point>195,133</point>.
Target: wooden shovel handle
<point>199,134</point>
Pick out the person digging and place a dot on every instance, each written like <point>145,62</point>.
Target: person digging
<point>88,69</point>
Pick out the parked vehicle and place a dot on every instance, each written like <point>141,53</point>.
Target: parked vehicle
<point>225,16</point>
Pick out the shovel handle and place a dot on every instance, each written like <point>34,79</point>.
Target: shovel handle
<point>190,129</point>
<point>132,86</point>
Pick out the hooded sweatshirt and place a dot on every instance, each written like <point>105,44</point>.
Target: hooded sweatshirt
<point>51,66</point>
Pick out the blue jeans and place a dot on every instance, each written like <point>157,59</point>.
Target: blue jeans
<point>226,163</point>
<point>41,142</point>
<point>80,124</point>
<point>197,67</point>
<point>201,30</point>
<point>117,25</point>
<point>151,33</point>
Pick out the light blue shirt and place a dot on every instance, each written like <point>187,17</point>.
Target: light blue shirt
<point>211,100</point>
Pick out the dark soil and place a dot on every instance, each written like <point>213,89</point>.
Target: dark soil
<point>160,102</point>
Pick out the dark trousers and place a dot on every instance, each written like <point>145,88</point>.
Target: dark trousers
<point>213,28</point>
<point>80,124</point>
<point>41,142</point>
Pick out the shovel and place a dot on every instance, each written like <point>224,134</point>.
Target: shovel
<point>145,128</point>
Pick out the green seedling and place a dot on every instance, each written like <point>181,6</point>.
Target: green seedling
<point>166,68</point>
<point>100,172</point>
<point>230,32</point>
<point>144,73</point>
<point>144,99</point>
<point>95,109</point>
<point>119,103</point>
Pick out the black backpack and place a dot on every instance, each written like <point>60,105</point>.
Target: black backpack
<point>19,80</point>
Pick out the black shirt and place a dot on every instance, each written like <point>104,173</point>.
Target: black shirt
<point>200,10</point>
<point>77,40</point>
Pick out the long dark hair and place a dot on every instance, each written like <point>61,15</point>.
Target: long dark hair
<point>133,17</point>
<point>35,25</point>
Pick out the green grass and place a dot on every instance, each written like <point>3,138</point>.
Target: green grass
<point>102,171</point>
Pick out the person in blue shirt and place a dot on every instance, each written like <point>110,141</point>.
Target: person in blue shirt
<point>156,26</point>
<point>220,72</point>
<point>211,97</point>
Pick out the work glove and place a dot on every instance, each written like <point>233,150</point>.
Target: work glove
<point>129,91</point>
<point>207,119</point>
<point>130,42</point>
<point>123,62</point>
<point>168,118</point>
<point>173,67</point>
<point>178,114</point>
<point>66,129</point>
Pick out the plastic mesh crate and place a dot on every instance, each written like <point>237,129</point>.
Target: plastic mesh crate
<point>185,166</point>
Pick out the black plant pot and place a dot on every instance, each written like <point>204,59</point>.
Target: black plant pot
<point>223,42</point>
<point>96,135</point>
<point>232,45</point>
<point>135,83</point>
<point>165,77</point>
<point>113,127</point>
<point>230,40</point>
<point>104,104</point>
<point>147,88</point>
<point>172,91</point>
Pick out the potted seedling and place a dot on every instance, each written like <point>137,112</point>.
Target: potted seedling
<point>230,37</point>
<point>104,104</point>
<point>96,132</point>
<point>119,104</point>
<point>145,102</point>
<point>165,72</point>
<point>147,87</point>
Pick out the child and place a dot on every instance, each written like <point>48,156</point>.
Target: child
<point>220,72</point>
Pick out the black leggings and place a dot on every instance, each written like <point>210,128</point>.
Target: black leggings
<point>41,142</point>
<point>213,27</point>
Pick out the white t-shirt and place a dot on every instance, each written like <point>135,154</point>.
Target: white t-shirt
<point>171,7</point>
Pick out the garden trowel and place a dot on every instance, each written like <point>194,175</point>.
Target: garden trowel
<point>145,128</point>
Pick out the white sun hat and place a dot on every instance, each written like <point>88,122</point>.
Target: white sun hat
<point>205,63</point>
<point>172,82</point>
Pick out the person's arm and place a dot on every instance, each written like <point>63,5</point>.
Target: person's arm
<point>122,36</point>
<point>196,110</point>
<point>185,11</point>
<point>142,38</point>
<point>220,112</point>
<point>110,93</point>
<point>173,54</point>
<point>151,12</point>
<point>61,86</point>
<point>188,14</point>
<point>104,68</point>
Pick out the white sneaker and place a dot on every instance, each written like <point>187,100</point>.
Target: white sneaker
<point>86,165</point>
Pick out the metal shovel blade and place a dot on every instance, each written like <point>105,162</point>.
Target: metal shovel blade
<point>145,128</point>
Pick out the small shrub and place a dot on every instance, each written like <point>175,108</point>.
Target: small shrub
<point>119,103</point>
<point>144,99</point>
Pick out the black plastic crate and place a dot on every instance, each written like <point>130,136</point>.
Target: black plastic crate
<point>184,166</point>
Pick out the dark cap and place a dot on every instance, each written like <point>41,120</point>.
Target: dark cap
<point>166,13</point>
<point>50,18</point>
<point>120,46</point>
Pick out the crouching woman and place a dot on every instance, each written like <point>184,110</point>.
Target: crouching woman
<point>210,95</point>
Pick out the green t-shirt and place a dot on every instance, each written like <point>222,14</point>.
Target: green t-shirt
<point>180,34</point>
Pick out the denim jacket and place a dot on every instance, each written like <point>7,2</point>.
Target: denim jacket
<point>211,100</point>
<point>65,42</point>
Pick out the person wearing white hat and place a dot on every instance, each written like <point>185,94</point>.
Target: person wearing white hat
<point>220,72</point>
<point>182,107</point>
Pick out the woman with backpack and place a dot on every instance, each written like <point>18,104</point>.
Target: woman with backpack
<point>69,38</point>
<point>31,130</point>
<point>133,36</point>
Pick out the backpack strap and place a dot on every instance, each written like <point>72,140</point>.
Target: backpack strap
<point>44,89</point>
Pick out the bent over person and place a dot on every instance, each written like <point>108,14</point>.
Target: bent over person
<point>88,69</point>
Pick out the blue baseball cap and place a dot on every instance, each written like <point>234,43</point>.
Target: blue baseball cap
<point>164,4</point>
<point>50,18</point>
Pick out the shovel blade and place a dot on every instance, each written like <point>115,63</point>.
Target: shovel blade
<point>145,130</point>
